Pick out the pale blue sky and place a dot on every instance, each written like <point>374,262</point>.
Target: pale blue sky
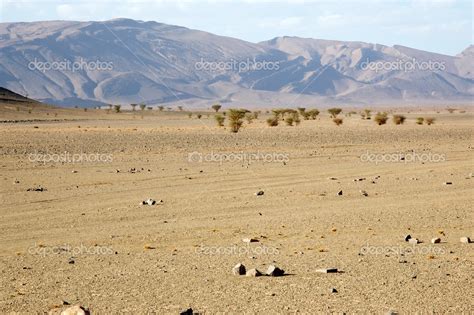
<point>443,26</point>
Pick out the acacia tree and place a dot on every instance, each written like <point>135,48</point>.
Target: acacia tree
<point>334,111</point>
<point>133,106</point>
<point>142,106</point>
<point>216,107</point>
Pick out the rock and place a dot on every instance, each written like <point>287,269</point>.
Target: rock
<point>274,271</point>
<point>75,310</point>
<point>332,178</point>
<point>465,240</point>
<point>249,240</point>
<point>39,188</point>
<point>447,183</point>
<point>407,237</point>
<point>253,273</point>
<point>189,311</point>
<point>413,241</point>
<point>239,270</point>
<point>339,193</point>
<point>327,270</point>
<point>363,193</point>
<point>74,172</point>
<point>391,312</point>
<point>71,261</point>
<point>435,240</point>
<point>151,202</point>
<point>259,193</point>
<point>333,290</point>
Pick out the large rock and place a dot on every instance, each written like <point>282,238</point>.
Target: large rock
<point>274,271</point>
<point>253,273</point>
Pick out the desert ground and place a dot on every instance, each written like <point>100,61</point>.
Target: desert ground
<point>87,240</point>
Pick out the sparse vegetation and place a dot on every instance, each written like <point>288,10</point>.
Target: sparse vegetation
<point>133,106</point>
<point>367,114</point>
<point>338,121</point>
<point>216,107</point>
<point>180,108</point>
<point>398,119</point>
<point>249,117</point>
<point>256,114</point>
<point>313,113</point>
<point>117,108</point>
<point>198,116</point>
<point>190,115</point>
<point>272,121</point>
<point>451,110</point>
<point>235,119</point>
<point>142,106</point>
<point>301,110</point>
<point>334,112</point>
<point>161,108</point>
<point>220,120</point>
<point>420,120</point>
<point>429,120</point>
<point>381,118</point>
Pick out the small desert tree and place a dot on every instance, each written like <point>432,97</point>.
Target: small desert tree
<point>420,121</point>
<point>142,106</point>
<point>429,120</point>
<point>256,114</point>
<point>313,113</point>
<point>249,117</point>
<point>451,110</point>
<point>301,110</point>
<point>235,119</point>
<point>337,121</point>
<point>272,121</point>
<point>133,106</point>
<point>180,108</point>
<point>117,108</point>
<point>367,114</point>
<point>220,120</point>
<point>398,119</point>
<point>161,108</point>
<point>381,118</point>
<point>199,116</point>
<point>334,112</point>
<point>216,107</point>
<point>190,115</point>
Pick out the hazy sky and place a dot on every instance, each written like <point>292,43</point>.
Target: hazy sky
<point>443,26</point>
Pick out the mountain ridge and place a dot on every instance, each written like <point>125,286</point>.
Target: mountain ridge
<point>155,63</point>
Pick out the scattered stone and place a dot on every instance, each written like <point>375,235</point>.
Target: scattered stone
<point>327,270</point>
<point>253,273</point>
<point>249,240</point>
<point>39,188</point>
<point>339,193</point>
<point>189,311</point>
<point>363,193</point>
<point>465,240</point>
<point>407,237</point>
<point>359,179</point>
<point>447,183</point>
<point>71,261</point>
<point>150,202</point>
<point>239,270</point>
<point>435,240</point>
<point>75,310</point>
<point>391,312</point>
<point>74,172</point>
<point>333,290</point>
<point>413,241</point>
<point>332,178</point>
<point>259,193</point>
<point>274,271</point>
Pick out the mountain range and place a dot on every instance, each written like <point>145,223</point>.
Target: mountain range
<point>125,61</point>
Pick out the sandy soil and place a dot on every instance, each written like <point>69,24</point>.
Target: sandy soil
<point>87,240</point>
